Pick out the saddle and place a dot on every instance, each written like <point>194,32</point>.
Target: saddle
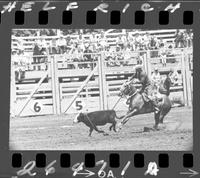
<point>157,97</point>
<point>144,97</point>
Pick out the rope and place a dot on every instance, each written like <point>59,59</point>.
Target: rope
<point>116,103</point>
<point>90,121</point>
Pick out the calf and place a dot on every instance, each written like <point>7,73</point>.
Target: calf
<point>95,118</point>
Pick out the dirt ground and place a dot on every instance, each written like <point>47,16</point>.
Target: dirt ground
<point>59,133</point>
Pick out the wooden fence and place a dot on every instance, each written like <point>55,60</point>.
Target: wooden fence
<point>60,90</point>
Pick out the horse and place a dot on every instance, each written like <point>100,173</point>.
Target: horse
<point>139,105</point>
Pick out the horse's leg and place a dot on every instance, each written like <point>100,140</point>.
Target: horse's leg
<point>161,118</point>
<point>164,114</point>
<point>127,116</point>
<point>110,128</point>
<point>90,132</point>
<point>156,116</point>
<point>114,126</point>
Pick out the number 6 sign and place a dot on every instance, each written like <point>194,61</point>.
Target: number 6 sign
<point>36,107</point>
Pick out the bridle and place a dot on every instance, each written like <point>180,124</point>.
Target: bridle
<point>133,93</point>
<point>129,91</point>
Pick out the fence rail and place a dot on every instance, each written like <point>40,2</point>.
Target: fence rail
<point>67,89</point>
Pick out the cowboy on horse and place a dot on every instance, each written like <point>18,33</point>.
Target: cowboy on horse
<point>142,100</point>
<point>147,87</point>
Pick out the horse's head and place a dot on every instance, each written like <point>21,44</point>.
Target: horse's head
<point>165,86</point>
<point>168,82</point>
<point>127,88</point>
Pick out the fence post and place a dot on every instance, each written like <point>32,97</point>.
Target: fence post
<point>102,83</point>
<point>147,63</point>
<point>12,91</point>
<point>184,78</point>
<point>55,86</point>
<point>188,80</point>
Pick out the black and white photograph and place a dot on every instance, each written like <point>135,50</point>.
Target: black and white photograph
<point>101,89</point>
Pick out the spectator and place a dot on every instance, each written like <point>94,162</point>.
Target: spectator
<point>111,56</point>
<point>161,43</point>
<point>120,42</point>
<point>156,78</point>
<point>15,62</point>
<point>179,40</point>
<point>15,58</point>
<point>43,50</point>
<point>20,45</point>
<point>174,76</point>
<point>146,39</point>
<point>163,55</point>
<point>137,41</point>
<point>87,56</point>
<point>188,39</point>
<point>62,44</point>
<point>53,48</point>
<point>119,56</point>
<point>132,42</point>
<point>126,39</point>
<point>142,41</point>
<point>20,66</point>
<point>153,46</point>
<point>139,59</point>
<point>36,52</point>
<point>127,54</point>
<point>103,42</point>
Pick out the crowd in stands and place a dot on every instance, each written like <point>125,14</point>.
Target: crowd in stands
<point>156,78</point>
<point>127,47</point>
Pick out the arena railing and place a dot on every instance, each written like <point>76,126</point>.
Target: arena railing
<point>78,59</point>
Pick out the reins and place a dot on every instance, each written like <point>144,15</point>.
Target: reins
<point>133,93</point>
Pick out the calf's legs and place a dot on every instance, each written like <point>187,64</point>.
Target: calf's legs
<point>90,132</point>
<point>113,126</point>
<point>95,128</point>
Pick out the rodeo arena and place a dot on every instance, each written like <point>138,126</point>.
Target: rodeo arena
<point>72,89</point>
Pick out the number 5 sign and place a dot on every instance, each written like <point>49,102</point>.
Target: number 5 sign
<point>79,104</point>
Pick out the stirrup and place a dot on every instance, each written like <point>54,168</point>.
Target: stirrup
<point>157,110</point>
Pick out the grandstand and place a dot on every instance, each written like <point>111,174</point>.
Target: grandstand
<point>111,36</point>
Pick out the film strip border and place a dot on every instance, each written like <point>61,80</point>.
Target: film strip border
<point>114,165</point>
<point>115,17</point>
<point>116,12</point>
<point>114,160</point>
